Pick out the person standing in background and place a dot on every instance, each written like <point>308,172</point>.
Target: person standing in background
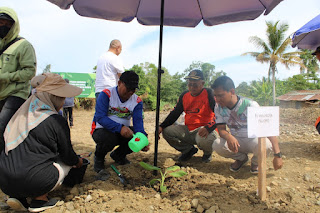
<point>109,67</point>
<point>68,108</point>
<point>17,67</point>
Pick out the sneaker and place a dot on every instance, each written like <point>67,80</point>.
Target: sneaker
<point>98,164</point>
<point>119,161</point>
<point>206,158</point>
<point>188,155</point>
<point>20,204</point>
<point>41,205</point>
<point>235,166</point>
<point>254,169</point>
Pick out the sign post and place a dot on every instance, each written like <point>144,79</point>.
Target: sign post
<point>262,172</point>
<point>262,122</point>
<point>86,81</point>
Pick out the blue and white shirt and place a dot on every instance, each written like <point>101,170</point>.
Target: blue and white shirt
<point>111,113</point>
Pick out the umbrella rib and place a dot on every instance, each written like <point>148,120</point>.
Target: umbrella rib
<point>200,9</point>
<point>137,9</point>
<point>263,5</point>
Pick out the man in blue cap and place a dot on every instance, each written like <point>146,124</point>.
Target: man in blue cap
<point>111,123</point>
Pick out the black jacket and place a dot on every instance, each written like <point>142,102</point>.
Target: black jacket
<point>28,170</point>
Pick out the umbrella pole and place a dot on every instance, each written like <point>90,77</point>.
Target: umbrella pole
<point>160,71</point>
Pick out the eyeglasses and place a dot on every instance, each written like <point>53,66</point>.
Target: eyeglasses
<point>194,85</point>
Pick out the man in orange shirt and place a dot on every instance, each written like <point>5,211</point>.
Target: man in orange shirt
<point>198,104</point>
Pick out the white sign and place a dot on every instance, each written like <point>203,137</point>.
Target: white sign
<point>263,121</point>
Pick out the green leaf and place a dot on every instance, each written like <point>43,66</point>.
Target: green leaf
<point>153,181</point>
<point>173,168</point>
<point>163,188</point>
<point>148,166</point>
<point>178,173</point>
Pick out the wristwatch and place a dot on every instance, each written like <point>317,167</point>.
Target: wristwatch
<point>278,155</point>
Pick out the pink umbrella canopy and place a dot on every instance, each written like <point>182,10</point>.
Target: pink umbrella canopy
<point>185,13</point>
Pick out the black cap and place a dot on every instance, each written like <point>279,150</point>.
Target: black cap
<point>5,16</point>
<point>130,79</point>
<point>195,75</point>
<point>317,51</point>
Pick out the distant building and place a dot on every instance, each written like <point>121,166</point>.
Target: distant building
<point>300,99</point>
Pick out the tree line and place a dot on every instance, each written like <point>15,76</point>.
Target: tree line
<point>272,51</point>
<point>172,86</point>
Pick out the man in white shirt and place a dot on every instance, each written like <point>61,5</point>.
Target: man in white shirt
<point>109,67</point>
<point>231,110</point>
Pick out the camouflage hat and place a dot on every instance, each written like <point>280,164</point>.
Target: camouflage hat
<point>195,75</point>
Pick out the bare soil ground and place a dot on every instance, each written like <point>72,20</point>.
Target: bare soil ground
<point>208,187</point>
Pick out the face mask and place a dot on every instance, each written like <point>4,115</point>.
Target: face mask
<point>4,31</point>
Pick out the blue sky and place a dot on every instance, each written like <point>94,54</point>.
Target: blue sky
<point>71,43</point>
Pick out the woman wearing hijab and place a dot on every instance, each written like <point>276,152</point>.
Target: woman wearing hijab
<point>38,152</point>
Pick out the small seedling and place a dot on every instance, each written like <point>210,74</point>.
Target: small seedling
<point>170,171</point>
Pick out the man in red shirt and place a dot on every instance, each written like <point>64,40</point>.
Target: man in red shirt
<point>198,104</point>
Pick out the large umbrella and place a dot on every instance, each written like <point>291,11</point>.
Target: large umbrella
<point>308,36</point>
<point>185,13</point>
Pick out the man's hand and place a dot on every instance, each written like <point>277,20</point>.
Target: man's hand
<point>233,144</point>
<point>126,132</point>
<point>203,132</point>
<point>277,163</point>
<point>146,148</point>
<point>79,164</point>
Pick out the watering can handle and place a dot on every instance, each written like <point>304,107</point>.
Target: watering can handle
<point>115,169</point>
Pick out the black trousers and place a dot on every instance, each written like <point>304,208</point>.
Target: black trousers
<point>8,107</point>
<point>106,141</point>
<point>67,114</point>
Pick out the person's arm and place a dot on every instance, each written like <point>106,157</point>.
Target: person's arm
<point>174,114</point>
<point>232,142</point>
<point>101,114</point>
<point>277,161</point>
<point>27,65</point>
<point>118,66</point>
<point>137,118</point>
<point>65,149</point>
<point>212,125</point>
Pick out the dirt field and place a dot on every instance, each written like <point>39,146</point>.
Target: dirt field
<point>208,187</point>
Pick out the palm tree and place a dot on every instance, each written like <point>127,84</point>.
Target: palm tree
<point>310,65</point>
<point>273,51</point>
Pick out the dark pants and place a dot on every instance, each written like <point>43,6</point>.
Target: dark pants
<point>67,113</point>
<point>97,95</point>
<point>8,107</point>
<point>106,141</point>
